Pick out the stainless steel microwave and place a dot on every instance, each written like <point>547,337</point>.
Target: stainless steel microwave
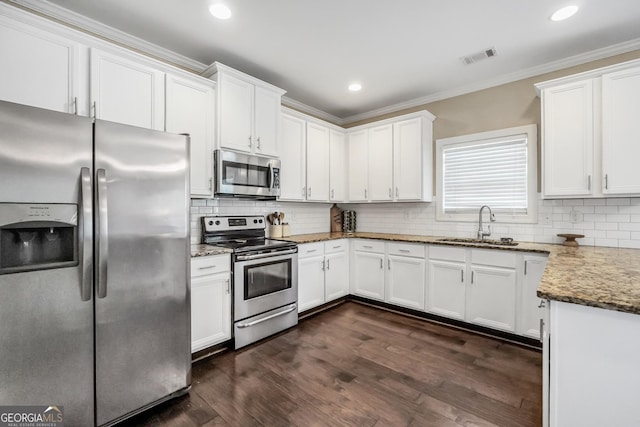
<point>246,175</point>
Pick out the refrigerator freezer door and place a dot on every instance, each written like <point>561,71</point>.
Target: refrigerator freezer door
<point>142,305</point>
<point>46,316</point>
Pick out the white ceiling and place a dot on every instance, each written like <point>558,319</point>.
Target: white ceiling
<point>401,51</point>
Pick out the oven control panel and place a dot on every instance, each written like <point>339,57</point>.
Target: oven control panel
<point>229,223</point>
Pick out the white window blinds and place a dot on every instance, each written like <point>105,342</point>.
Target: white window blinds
<point>486,172</point>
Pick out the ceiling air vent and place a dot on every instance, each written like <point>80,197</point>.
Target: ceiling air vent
<point>479,56</point>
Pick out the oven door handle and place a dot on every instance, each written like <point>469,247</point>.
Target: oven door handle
<point>267,255</point>
<point>271,316</point>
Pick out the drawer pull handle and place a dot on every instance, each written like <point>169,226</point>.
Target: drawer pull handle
<point>207,268</point>
<point>367,246</point>
<point>311,250</point>
<point>406,251</point>
<point>337,247</point>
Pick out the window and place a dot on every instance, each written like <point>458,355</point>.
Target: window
<point>496,168</point>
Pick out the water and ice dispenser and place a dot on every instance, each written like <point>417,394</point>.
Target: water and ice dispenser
<point>37,236</point>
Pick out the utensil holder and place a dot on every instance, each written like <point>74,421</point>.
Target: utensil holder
<point>275,231</point>
<point>286,230</point>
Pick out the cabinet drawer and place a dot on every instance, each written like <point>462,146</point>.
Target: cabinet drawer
<point>310,249</point>
<point>332,246</point>
<point>369,246</point>
<point>447,253</point>
<point>496,258</point>
<point>204,265</point>
<point>406,249</point>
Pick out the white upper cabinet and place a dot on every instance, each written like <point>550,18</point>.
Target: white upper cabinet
<point>380,163</point>
<point>317,162</point>
<point>568,140</point>
<point>358,176</point>
<point>337,166</point>
<point>189,109</point>
<point>125,91</point>
<point>38,68</point>
<point>621,132</point>
<point>293,158</point>
<point>590,137</point>
<point>391,160</point>
<point>410,158</point>
<point>248,112</point>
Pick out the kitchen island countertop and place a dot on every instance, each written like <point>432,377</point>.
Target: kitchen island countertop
<point>601,277</point>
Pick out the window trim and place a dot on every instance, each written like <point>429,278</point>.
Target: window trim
<point>532,174</point>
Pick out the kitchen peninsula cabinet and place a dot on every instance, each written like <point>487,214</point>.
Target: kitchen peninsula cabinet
<point>27,79</point>
<point>189,109</point>
<point>532,309</point>
<point>210,301</point>
<point>126,91</point>
<point>248,112</point>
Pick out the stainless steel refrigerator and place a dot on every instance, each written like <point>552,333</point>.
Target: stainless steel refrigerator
<point>94,268</point>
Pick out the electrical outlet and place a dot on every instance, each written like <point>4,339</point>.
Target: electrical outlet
<point>575,216</point>
<point>547,219</point>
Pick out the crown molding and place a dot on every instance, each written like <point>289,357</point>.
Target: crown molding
<point>549,67</point>
<point>304,108</point>
<point>95,28</point>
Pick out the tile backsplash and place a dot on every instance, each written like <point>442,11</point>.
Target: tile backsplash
<point>604,222</point>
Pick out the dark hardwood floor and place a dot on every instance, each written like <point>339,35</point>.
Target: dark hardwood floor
<point>355,365</point>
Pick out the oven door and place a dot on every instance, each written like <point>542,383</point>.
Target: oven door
<point>263,282</point>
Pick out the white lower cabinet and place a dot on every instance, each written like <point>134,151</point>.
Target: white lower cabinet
<point>323,273</point>
<point>210,301</point>
<point>447,289</point>
<point>406,270</point>
<point>367,269</point>
<point>491,292</point>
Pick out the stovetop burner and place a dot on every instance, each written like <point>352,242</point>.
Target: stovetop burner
<point>240,233</point>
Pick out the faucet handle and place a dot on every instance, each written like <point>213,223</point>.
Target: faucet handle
<point>492,217</point>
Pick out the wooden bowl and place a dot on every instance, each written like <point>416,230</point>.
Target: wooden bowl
<point>571,239</point>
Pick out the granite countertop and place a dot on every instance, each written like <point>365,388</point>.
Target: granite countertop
<point>205,250</point>
<point>601,277</point>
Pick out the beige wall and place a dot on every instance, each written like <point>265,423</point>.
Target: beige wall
<point>504,106</point>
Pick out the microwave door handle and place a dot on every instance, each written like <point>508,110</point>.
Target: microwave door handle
<point>86,231</point>
<point>270,183</point>
<point>102,236</point>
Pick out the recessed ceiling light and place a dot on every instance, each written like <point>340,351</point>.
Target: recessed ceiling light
<point>220,11</point>
<point>355,87</point>
<point>564,13</point>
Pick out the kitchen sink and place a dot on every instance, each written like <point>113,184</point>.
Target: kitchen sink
<point>501,242</point>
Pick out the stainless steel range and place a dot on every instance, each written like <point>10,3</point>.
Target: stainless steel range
<point>264,276</point>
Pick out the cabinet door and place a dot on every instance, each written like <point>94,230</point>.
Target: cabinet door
<point>491,297</point>
<point>381,163</point>
<point>405,283</point>
<point>568,142</point>
<point>210,310</point>
<point>336,279</point>
<point>358,166</point>
<point>447,288</point>
<point>189,109</point>
<point>127,92</point>
<point>407,160</point>
<point>266,121</point>
<point>235,113</point>
<point>531,312</point>
<point>620,132</point>
<point>310,282</point>
<point>293,159</point>
<point>368,275</point>
<point>337,166</point>
<point>38,68</point>
<point>317,162</point>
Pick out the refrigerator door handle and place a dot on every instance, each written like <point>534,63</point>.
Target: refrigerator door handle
<point>86,251</point>
<point>102,242</point>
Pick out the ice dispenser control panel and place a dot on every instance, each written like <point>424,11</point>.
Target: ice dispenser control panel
<point>37,236</point>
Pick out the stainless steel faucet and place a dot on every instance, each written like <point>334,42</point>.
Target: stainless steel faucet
<point>492,218</point>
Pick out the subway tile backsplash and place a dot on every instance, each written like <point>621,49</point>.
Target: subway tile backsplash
<point>604,222</point>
